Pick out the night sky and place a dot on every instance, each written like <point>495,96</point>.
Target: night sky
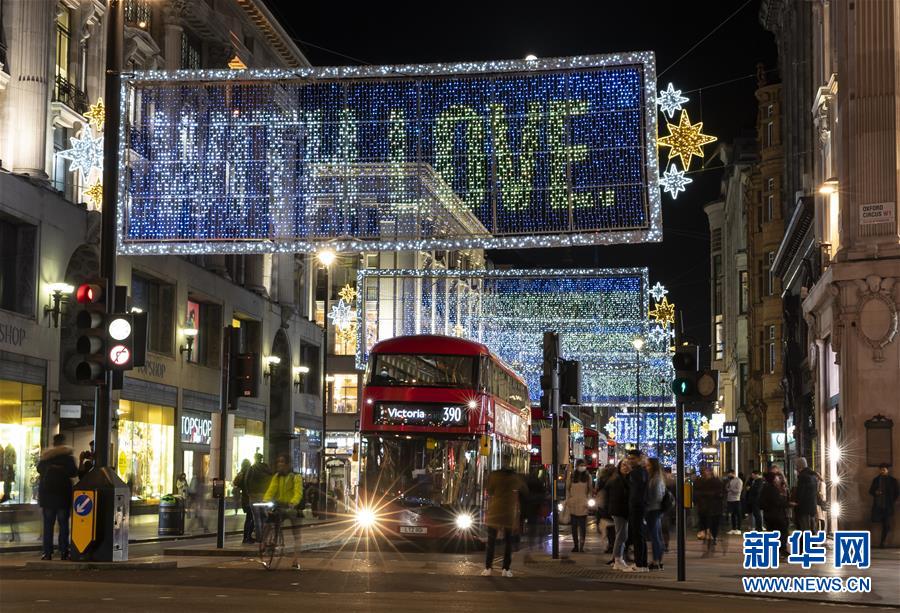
<point>718,76</point>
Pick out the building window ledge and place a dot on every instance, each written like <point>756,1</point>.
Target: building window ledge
<point>63,116</point>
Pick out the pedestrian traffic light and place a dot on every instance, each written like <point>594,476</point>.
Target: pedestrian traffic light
<point>686,363</point>
<point>90,342</point>
<point>120,341</point>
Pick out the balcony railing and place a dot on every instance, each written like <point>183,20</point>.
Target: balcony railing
<point>66,92</point>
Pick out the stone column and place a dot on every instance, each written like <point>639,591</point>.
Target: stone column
<point>172,46</point>
<point>31,44</point>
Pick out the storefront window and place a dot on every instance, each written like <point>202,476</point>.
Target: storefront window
<point>343,394</point>
<point>146,449</point>
<point>21,405</point>
<point>249,437</point>
<point>306,451</point>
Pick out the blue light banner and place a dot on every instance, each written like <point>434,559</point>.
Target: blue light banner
<point>503,154</point>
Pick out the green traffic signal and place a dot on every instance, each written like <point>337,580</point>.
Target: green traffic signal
<point>683,386</point>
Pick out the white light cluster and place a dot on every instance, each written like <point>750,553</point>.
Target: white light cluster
<point>597,312</point>
<point>508,155</point>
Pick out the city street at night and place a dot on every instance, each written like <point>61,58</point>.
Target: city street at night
<point>463,306</point>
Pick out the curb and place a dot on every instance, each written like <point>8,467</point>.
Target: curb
<point>73,565</point>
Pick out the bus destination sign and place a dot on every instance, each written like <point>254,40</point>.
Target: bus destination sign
<point>387,414</point>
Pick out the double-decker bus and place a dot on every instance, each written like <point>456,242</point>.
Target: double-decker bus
<point>576,429</point>
<point>595,449</point>
<point>438,415</point>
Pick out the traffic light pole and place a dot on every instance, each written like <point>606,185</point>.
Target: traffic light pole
<point>554,467</point>
<point>679,486</point>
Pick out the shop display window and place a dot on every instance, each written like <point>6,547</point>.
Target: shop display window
<point>343,394</point>
<point>21,406</point>
<point>249,438</point>
<point>146,449</point>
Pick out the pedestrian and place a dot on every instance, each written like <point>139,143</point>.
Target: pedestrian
<point>240,484</point>
<point>56,469</point>
<point>534,504</point>
<point>286,492</point>
<point>503,489</point>
<point>734,487</point>
<point>578,490</point>
<point>709,493</point>
<point>668,517</point>
<point>257,482</point>
<point>884,494</point>
<point>637,509</point>
<point>806,496</point>
<point>656,495</point>
<point>773,500</point>
<point>196,502</point>
<point>754,487</point>
<point>605,521</point>
<point>181,487</point>
<point>86,461</point>
<point>617,493</point>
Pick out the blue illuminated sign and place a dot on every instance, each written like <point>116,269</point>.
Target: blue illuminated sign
<point>497,154</point>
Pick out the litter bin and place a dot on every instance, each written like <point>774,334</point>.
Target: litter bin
<point>171,516</point>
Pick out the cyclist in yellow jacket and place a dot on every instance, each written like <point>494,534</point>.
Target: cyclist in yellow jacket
<point>286,492</point>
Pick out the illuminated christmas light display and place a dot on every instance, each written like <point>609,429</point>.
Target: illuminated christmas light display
<point>341,315</point>
<point>685,140</point>
<point>655,434</point>
<point>670,100</point>
<point>658,291</point>
<point>674,181</point>
<point>96,114</point>
<point>663,313</point>
<point>86,152</point>
<point>507,154</point>
<point>597,312</point>
<point>95,194</point>
<point>348,293</point>
<point>659,334</point>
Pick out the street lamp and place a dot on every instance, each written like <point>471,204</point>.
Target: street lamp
<point>299,373</point>
<point>190,333</point>
<point>638,344</point>
<point>57,291</point>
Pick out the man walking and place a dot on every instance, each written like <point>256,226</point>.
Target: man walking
<point>638,479</point>
<point>806,496</point>
<point>57,469</point>
<point>733,489</point>
<point>754,487</point>
<point>503,488</point>
<point>708,494</point>
<point>884,494</point>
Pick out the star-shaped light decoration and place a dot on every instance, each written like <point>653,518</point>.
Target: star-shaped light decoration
<point>340,315</point>
<point>97,114</point>
<point>670,100</point>
<point>348,294</point>
<point>674,181</point>
<point>86,152</point>
<point>658,335</point>
<point>658,291</point>
<point>664,312</point>
<point>685,139</point>
<point>347,335</point>
<point>95,194</point>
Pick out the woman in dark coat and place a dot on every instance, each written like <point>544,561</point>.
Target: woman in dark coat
<point>774,502</point>
<point>884,494</point>
<point>617,501</point>
<point>709,497</point>
<point>503,490</point>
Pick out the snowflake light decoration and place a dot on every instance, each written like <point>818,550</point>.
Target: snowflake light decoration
<point>86,152</point>
<point>341,315</point>
<point>348,294</point>
<point>663,312</point>
<point>674,181</point>
<point>670,100</point>
<point>685,140</point>
<point>658,291</point>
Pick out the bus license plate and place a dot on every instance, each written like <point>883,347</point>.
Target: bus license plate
<point>413,530</point>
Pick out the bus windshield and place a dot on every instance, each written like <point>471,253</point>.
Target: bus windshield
<point>422,471</point>
<point>406,370</point>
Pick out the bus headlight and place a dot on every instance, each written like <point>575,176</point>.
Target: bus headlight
<point>592,503</point>
<point>464,521</point>
<point>560,507</point>
<point>365,518</point>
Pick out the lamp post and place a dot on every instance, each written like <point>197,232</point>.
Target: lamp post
<point>326,258</point>
<point>638,344</point>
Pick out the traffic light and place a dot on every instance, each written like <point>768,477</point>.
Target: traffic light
<point>90,342</point>
<point>120,341</point>
<point>692,384</point>
<point>245,374</point>
<point>570,382</point>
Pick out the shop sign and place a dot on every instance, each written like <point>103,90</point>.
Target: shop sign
<point>70,411</point>
<point>776,441</point>
<point>879,212</point>
<point>196,428</point>
<point>152,368</point>
<point>729,429</point>
<point>12,335</point>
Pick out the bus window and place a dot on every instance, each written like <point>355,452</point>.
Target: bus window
<point>407,370</point>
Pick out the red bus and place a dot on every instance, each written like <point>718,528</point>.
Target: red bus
<point>595,450</point>
<point>438,415</point>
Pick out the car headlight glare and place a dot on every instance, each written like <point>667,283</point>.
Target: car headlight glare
<point>464,521</point>
<point>365,518</point>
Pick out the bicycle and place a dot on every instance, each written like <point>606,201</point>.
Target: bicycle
<point>271,541</point>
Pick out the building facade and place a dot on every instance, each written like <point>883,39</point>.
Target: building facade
<point>729,298</point>
<point>843,229</point>
<point>167,416</point>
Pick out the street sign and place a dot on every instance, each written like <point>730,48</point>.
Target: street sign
<point>84,520</point>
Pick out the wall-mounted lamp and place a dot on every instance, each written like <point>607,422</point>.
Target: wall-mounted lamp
<point>271,362</point>
<point>190,333</point>
<point>829,187</point>
<point>57,291</point>
<point>299,373</point>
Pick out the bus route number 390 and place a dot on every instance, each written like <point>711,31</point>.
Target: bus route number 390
<point>452,415</point>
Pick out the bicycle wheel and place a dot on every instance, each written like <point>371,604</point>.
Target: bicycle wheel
<point>268,544</point>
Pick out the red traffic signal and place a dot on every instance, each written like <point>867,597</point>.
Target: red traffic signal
<point>89,293</point>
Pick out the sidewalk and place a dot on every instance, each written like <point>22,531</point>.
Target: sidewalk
<point>26,535</point>
<point>719,573</point>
